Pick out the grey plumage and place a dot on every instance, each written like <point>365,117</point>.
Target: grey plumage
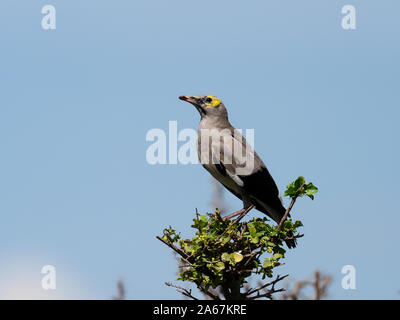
<point>227,156</point>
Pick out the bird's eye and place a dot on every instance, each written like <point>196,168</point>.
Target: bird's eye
<point>208,100</point>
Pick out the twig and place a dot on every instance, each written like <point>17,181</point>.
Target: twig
<point>198,222</point>
<point>185,292</point>
<point>278,278</point>
<point>251,256</point>
<point>317,286</point>
<point>121,290</point>
<point>288,209</point>
<point>232,215</point>
<point>249,271</point>
<point>266,295</point>
<point>218,215</point>
<point>183,255</point>
<point>295,237</point>
<point>235,221</point>
<point>244,229</point>
<point>286,214</point>
<point>211,295</point>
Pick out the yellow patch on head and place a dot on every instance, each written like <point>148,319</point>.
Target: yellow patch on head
<point>215,102</point>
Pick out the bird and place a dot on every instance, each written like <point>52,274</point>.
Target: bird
<point>228,157</point>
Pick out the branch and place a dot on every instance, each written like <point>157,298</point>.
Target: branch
<point>295,237</point>
<point>232,215</point>
<point>211,295</point>
<point>251,256</point>
<point>185,292</point>
<point>278,278</point>
<point>183,255</point>
<point>197,218</point>
<point>267,294</point>
<point>286,214</point>
<point>241,215</point>
<point>288,209</point>
<point>121,290</point>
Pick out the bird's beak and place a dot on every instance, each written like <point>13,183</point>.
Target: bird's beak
<point>189,99</point>
<point>194,101</point>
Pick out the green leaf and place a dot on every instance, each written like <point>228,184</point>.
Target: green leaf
<point>225,239</point>
<point>188,248</point>
<point>277,256</point>
<point>237,257</point>
<point>203,221</point>
<point>290,191</point>
<point>298,188</point>
<point>220,266</point>
<point>310,190</point>
<point>252,229</point>
<point>299,182</point>
<point>255,240</point>
<point>267,263</point>
<point>298,224</point>
<point>226,256</point>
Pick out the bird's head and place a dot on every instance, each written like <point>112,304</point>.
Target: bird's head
<point>208,106</point>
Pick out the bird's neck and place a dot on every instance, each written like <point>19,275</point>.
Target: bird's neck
<point>214,123</point>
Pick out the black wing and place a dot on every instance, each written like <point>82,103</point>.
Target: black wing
<point>261,186</point>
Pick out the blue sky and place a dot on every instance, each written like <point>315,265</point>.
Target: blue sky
<point>76,104</point>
